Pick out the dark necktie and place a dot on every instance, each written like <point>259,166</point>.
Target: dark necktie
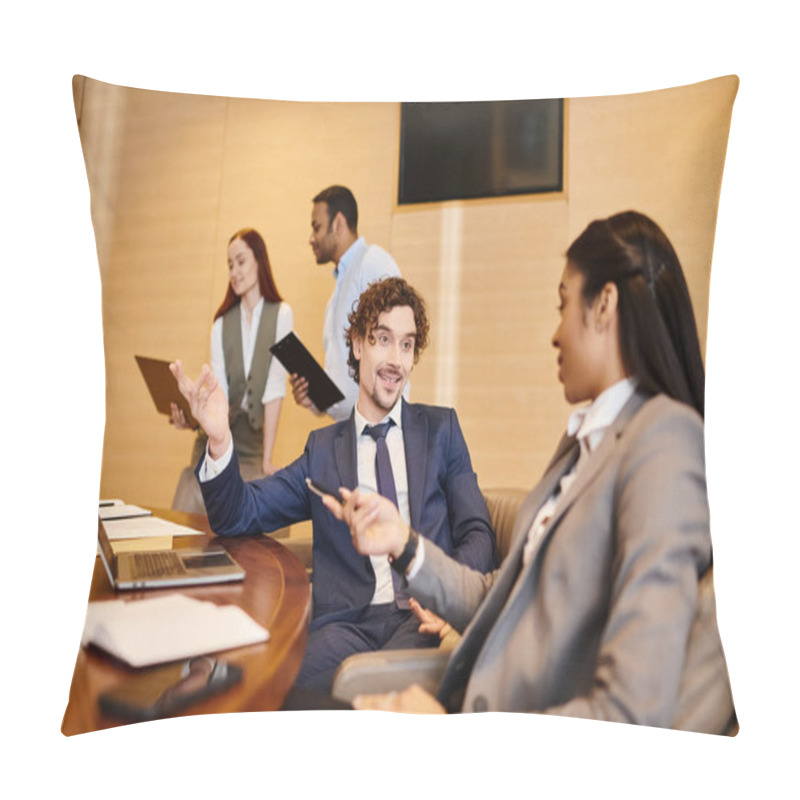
<point>385,480</point>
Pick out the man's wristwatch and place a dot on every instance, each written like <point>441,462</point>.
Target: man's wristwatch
<point>400,564</point>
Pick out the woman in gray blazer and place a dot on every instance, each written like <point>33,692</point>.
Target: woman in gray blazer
<point>603,607</point>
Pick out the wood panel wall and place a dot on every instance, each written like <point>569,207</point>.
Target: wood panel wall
<point>172,176</point>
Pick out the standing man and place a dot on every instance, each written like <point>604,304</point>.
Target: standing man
<point>334,238</point>
<point>360,603</point>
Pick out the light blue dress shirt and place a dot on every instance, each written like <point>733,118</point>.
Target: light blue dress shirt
<point>360,266</point>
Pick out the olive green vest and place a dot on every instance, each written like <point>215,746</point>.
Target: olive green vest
<point>253,384</point>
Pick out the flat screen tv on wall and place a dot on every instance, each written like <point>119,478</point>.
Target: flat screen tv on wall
<point>464,150</point>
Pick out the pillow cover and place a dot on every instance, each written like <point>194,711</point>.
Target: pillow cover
<point>172,176</point>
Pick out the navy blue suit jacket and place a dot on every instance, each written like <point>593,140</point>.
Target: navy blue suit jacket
<point>445,503</point>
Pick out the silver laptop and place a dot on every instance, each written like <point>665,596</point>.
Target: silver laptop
<point>156,569</point>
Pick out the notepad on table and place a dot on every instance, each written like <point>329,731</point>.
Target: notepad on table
<point>122,511</point>
<point>161,629</point>
<point>145,527</point>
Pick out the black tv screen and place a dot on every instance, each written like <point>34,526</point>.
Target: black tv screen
<point>463,150</point>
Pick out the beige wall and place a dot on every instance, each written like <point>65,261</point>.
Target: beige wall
<point>172,176</point>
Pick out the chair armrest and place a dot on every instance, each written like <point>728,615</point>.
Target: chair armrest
<point>389,671</point>
<point>503,505</point>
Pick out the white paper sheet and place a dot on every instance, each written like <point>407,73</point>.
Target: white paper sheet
<point>121,511</point>
<point>161,629</point>
<point>141,527</point>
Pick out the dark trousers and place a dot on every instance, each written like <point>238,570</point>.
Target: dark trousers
<point>379,627</point>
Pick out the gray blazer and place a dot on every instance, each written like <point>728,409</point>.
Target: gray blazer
<point>610,619</point>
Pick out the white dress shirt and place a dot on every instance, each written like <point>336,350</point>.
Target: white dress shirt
<point>366,448</point>
<point>589,425</point>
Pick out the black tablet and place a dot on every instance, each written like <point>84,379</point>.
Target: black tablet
<point>291,352</point>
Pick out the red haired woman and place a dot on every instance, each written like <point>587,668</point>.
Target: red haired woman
<point>251,317</point>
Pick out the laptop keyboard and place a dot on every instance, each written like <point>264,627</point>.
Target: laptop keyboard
<point>157,564</point>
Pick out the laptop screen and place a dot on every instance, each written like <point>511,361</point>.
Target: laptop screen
<point>106,551</point>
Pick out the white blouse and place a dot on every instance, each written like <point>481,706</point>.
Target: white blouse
<point>276,376</point>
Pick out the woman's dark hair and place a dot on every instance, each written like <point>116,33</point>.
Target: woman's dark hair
<point>657,328</point>
<point>383,296</point>
<point>266,281</point>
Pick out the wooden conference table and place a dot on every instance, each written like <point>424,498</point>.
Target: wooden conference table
<point>275,592</point>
